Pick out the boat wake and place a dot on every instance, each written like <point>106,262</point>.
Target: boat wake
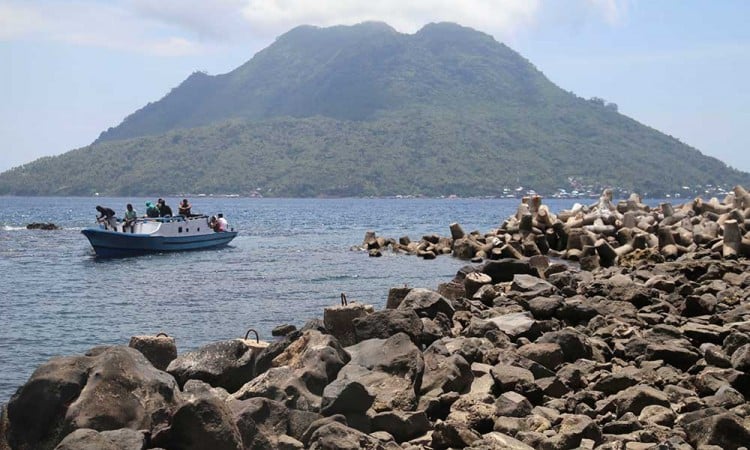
<point>11,228</point>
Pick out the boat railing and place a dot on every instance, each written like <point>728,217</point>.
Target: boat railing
<point>168,219</point>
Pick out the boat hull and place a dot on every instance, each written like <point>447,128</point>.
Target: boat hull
<point>111,244</point>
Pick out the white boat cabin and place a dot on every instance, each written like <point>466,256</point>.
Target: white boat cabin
<point>166,226</point>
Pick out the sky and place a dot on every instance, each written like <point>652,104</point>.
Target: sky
<point>71,69</point>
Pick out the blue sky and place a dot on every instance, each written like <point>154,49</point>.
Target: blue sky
<point>71,69</point>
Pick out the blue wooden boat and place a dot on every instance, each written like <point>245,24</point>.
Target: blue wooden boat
<point>155,235</point>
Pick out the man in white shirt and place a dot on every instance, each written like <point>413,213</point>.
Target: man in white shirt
<point>222,222</point>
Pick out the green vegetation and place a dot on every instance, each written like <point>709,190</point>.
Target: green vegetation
<point>364,110</point>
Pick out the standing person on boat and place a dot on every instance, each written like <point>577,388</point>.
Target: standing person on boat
<point>151,210</point>
<point>107,217</point>
<point>129,219</point>
<point>185,208</point>
<point>164,209</point>
<point>221,223</point>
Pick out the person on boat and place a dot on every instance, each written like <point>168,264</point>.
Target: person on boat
<point>151,210</point>
<point>129,219</point>
<point>184,208</point>
<point>213,223</point>
<point>164,209</point>
<point>107,217</point>
<point>221,223</point>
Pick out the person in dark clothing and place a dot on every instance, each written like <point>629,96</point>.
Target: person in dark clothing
<point>185,208</point>
<point>151,210</point>
<point>107,217</point>
<point>164,209</point>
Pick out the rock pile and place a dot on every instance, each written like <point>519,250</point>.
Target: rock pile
<point>600,235</point>
<point>42,226</point>
<point>514,353</point>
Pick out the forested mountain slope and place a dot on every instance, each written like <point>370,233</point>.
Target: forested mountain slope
<point>365,110</point>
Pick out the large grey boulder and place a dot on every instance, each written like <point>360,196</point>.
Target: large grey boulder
<point>345,396</point>
<point>544,308</point>
<point>520,324</point>
<point>550,355</point>
<point>228,364</point>
<point>725,430</point>
<point>434,329</point>
<point>508,378</point>
<point>300,373</point>
<point>264,359</point>
<point>88,439</point>
<point>396,355</point>
<point>36,413</point>
<point>512,404</point>
<point>502,270</point>
<point>451,434</point>
<point>338,436</point>
<point>741,358</point>
<point>574,344</point>
<point>263,422</point>
<point>386,323</point>
<point>674,354</point>
<point>444,371</point>
<point>402,425</point>
<point>573,429</point>
<point>495,440</point>
<point>427,303</point>
<point>201,422</point>
<point>532,286</point>
<point>395,296</point>
<point>339,320</point>
<point>391,370</point>
<point>109,388</point>
<point>472,349</point>
<point>635,398</point>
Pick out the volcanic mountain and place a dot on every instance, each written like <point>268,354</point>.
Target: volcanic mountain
<point>365,110</point>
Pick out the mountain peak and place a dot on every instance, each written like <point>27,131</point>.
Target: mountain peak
<point>360,29</point>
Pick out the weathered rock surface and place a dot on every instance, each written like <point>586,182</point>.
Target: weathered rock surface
<point>391,370</point>
<point>88,439</point>
<point>300,373</point>
<point>228,364</point>
<point>108,389</point>
<point>201,422</point>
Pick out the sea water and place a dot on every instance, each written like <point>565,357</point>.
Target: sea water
<point>291,259</point>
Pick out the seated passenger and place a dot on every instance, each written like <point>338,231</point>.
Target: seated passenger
<point>184,208</point>
<point>164,209</point>
<point>222,223</point>
<point>129,220</point>
<point>151,210</point>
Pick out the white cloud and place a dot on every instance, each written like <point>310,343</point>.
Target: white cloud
<point>93,24</point>
<point>613,11</point>
<point>182,27</point>
<point>16,21</point>
<point>209,20</point>
<point>500,17</point>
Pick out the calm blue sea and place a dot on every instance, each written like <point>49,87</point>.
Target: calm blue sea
<point>291,259</point>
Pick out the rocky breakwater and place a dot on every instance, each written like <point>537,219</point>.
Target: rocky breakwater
<point>600,235</point>
<point>649,348</point>
<point>509,354</point>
